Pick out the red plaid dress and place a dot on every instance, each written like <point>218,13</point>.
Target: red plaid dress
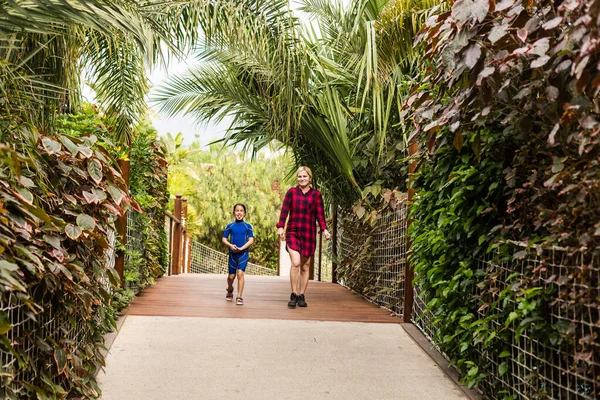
<point>304,210</point>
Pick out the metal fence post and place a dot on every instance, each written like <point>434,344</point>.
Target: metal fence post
<point>177,236</point>
<point>184,238</point>
<point>334,249</point>
<point>410,272</point>
<point>320,255</point>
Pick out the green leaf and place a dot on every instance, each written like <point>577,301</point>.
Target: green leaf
<point>61,359</point>
<point>100,194</point>
<point>72,147</point>
<point>504,354</point>
<point>113,277</point>
<point>25,181</point>
<point>73,231</point>
<point>502,368</point>
<point>557,166</point>
<point>95,170</point>
<point>86,222</point>
<point>86,151</point>
<point>115,193</point>
<point>26,195</point>
<point>5,324</point>
<point>51,146</point>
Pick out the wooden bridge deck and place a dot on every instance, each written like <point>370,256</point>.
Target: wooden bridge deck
<point>265,297</point>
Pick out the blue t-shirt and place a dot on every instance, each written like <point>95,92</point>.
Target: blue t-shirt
<point>238,233</point>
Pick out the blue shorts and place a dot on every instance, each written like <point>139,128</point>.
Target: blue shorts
<point>237,261</point>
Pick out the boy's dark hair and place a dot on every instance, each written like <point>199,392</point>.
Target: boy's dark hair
<point>240,204</point>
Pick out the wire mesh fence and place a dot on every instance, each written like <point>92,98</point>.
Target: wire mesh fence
<point>372,257</point>
<point>49,323</point>
<point>134,251</point>
<point>323,260</point>
<point>209,261</point>
<point>533,366</point>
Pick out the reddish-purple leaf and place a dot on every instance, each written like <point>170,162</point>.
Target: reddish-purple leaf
<point>580,66</point>
<point>552,93</point>
<point>472,55</point>
<point>540,47</point>
<point>522,34</point>
<point>563,66</point>
<point>461,10</point>
<point>504,4</point>
<point>480,9</point>
<point>551,137</point>
<point>540,62</point>
<point>522,93</point>
<point>550,182</point>
<point>73,231</point>
<point>553,23</point>
<point>521,50</point>
<point>588,122</point>
<point>90,197</point>
<point>95,170</point>
<point>487,71</point>
<point>454,126</point>
<point>497,33</point>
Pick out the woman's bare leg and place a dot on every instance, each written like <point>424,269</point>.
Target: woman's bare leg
<point>304,274</point>
<point>294,269</point>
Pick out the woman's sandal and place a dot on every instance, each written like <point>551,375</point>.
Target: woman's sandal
<point>229,295</point>
<point>239,301</point>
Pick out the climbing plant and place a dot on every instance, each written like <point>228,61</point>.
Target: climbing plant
<point>513,84</point>
<point>60,197</point>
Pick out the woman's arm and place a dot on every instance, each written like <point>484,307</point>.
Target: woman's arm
<point>285,209</point>
<point>321,213</point>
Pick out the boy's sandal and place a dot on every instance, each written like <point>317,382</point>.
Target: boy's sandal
<point>229,295</point>
<point>239,301</point>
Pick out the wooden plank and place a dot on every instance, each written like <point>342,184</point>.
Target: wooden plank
<point>265,297</point>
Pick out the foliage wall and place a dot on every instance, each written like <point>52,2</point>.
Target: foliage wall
<point>148,186</point>
<point>214,180</point>
<point>60,196</point>
<point>507,123</point>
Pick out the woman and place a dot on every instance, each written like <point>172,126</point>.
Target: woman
<point>304,205</point>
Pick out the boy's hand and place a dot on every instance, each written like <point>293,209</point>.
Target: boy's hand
<point>235,248</point>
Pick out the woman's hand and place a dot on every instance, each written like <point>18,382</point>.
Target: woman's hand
<point>327,234</point>
<point>281,234</point>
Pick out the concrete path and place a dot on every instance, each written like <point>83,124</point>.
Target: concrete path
<point>172,358</point>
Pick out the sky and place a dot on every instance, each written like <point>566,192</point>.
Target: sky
<point>191,130</point>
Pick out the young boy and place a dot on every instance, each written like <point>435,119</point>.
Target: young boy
<point>238,237</point>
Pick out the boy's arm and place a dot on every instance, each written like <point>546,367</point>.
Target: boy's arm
<point>249,243</point>
<point>226,243</point>
<point>250,240</point>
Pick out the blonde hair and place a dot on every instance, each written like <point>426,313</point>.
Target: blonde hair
<point>305,169</point>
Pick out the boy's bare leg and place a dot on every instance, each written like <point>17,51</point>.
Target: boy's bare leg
<point>230,278</point>
<point>295,259</point>
<point>241,279</point>
<point>304,274</point>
